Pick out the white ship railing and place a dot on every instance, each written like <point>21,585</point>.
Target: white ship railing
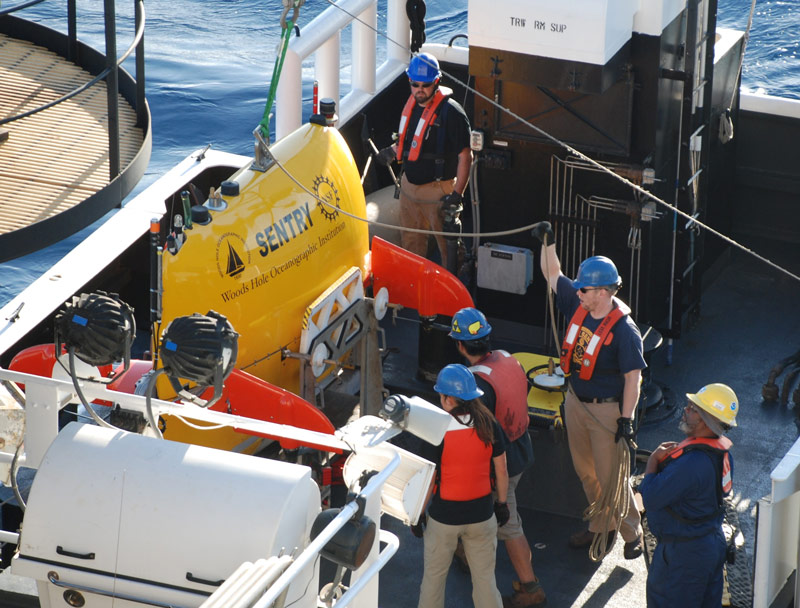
<point>322,39</point>
<point>778,534</point>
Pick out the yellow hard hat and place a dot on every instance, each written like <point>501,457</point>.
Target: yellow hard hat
<point>719,400</point>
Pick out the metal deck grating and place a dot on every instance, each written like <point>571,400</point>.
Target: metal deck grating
<point>54,159</point>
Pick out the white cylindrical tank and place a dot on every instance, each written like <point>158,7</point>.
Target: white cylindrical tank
<point>167,522</point>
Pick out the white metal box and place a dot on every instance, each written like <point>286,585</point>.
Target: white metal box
<point>505,268</point>
<point>589,31</point>
<point>155,520</point>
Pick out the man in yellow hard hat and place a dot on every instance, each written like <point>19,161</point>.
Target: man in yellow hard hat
<point>683,491</point>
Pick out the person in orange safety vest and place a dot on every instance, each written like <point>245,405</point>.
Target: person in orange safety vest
<point>683,491</point>
<point>468,461</point>
<point>433,148</point>
<point>505,392</point>
<point>602,358</point>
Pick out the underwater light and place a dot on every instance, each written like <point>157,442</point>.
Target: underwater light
<point>201,349</point>
<point>99,327</point>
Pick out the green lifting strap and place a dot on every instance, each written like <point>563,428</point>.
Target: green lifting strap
<point>288,26</point>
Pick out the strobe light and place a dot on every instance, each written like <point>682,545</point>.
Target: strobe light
<point>98,327</point>
<point>201,349</point>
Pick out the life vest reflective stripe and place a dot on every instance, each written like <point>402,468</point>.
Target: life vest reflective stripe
<point>465,471</point>
<point>429,114</point>
<point>506,376</point>
<point>602,336</point>
<point>714,445</point>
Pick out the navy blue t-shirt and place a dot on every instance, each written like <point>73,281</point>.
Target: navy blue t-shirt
<point>624,354</point>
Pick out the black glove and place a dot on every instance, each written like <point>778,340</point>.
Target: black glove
<point>454,199</point>
<point>386,156</point>
<point>540,229</point>
<point>625,431</point>
<point>418,529</point>
<point>501,512</point>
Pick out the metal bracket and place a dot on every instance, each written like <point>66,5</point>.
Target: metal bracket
<point>263,157</point>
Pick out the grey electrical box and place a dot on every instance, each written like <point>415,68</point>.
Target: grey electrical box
<point>505,268</point>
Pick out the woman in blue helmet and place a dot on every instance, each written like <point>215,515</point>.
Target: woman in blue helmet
<point>461,506</point>
<point>434,151</point>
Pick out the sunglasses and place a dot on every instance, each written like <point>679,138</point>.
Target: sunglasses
<point>420,85</point>
<point>588,289</point>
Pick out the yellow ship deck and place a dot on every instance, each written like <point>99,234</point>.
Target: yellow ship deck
<point>55,159</point>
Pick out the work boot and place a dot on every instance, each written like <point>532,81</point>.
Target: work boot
<point>460,557</point>
<point>634,548</point>
<point>584,538</point>
<point>526,595</point>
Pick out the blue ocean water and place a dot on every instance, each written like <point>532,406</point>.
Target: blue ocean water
<point>208,66</point>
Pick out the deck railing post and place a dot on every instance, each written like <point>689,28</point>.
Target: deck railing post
<point>365,39</point>
<point>112,87</point>
<point>72,31</point>
<point>397,31</point>
<point>326,68</point>
<point>289,97</point>
<point>141,110</point>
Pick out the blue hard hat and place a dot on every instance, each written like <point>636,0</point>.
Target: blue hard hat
<point>469,324</point>
<point>457,381</point>
<point>423,68</point>
<point>597,271</point>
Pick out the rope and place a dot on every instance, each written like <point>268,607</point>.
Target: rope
<point>572,150</point>
<point>613,502</point>
<point>287,27</point>
<point>394,226</point>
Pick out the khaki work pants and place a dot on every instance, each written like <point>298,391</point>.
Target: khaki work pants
<point>420,208</point>
<point>593,450</point>
<point>480,545</point>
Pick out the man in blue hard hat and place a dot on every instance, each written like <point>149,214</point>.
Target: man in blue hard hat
<point>602,356</point>
<point>433,147</point>
<point>505,392</point>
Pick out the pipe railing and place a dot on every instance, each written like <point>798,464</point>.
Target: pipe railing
<point>109,73</point>
<point>322,39</point>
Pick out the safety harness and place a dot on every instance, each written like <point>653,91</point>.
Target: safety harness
<point>432,115</point>
<point>717,448</point>
<point>602,336</point>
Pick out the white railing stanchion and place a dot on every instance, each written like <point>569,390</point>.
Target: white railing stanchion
<point>327,68</point>
<point>398,31</point>
<point>289,97</point>
<point>365,40</point>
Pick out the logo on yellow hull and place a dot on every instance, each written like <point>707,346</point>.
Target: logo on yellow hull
<point>231,251</point>
<point>326,191</point>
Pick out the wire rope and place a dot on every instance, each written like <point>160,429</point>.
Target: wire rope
<point>565,146</point>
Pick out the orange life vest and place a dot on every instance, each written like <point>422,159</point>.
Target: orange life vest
<point>465,471</point>
<point>506,376</point>
<point>429,114</point>
<point>602,336</point>
<point>714,445</point>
